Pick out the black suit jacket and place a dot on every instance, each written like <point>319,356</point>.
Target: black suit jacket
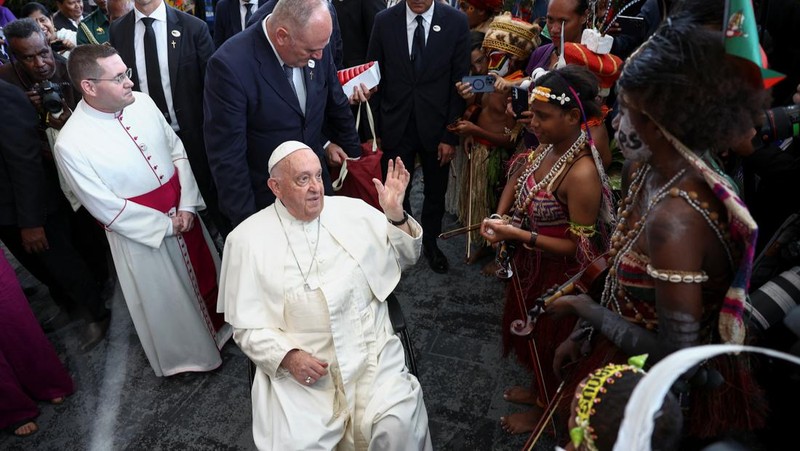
<point>250,109</point>
<point>228,19</point>
<point>187,68</point>
<point>429,97</point>
<point>187,62</point>
<point>355,19</point>
<point>54,199</point>
<point>23,188</point>
<point>336,35</point>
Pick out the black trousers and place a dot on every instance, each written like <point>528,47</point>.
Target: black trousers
<point>434,176</point>
<point>74,277</point>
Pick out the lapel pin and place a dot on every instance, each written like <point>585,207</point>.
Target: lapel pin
<point>437,28</point>
<point>173,43</point>
<point>311,64</point>
<point>176,33</point>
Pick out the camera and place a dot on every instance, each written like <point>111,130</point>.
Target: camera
<point>58,46</point>
<point>780,123</point>
<point>51,95</point>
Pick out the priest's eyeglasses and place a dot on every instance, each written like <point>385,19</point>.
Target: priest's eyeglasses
<point>118,79</point>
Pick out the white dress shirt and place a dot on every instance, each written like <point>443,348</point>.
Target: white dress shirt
<point>297,72</point>
<point>411,24</point>
<point>160,29</point>
<point>243,10</point>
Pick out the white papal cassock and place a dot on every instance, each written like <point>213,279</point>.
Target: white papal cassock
<point>368,400</point>
<point>108,159</point>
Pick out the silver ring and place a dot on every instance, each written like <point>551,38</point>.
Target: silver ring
<point>308,380</point>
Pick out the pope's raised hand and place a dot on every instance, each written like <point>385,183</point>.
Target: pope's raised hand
<point>393,191</point>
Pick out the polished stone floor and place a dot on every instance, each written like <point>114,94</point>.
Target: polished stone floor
<point>119,404</point>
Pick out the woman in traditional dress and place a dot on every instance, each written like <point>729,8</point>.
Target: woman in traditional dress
<point>560,206</point>
<point>566,20</point>
<point>684,243</point>
<point>29,367</point>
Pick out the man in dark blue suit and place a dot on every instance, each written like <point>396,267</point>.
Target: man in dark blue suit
<point>230,17</point>
<point>416,98</point>
<point>274,82</point>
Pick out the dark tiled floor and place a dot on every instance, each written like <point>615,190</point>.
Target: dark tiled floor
<point>119,404</point>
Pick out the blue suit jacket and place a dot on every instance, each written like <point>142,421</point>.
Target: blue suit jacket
<point>250,109</point>
<point>430,95</point>
<point>228,20</point>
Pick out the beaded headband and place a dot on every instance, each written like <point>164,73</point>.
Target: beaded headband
<point>544,94</point>
<point>583,432</point>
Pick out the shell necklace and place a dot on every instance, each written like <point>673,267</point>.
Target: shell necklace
<point>522,204</point>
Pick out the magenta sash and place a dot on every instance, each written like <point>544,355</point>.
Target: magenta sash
<point>196,254</point>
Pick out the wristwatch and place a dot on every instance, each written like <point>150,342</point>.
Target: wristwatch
<point>400,222</point>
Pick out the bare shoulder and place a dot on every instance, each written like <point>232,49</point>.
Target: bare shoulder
<point>583,171</point>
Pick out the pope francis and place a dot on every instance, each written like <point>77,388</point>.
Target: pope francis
<point>304,288</point>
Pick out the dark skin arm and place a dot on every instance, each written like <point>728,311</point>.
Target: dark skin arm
<point>467,128</point>
<point>677,238</point>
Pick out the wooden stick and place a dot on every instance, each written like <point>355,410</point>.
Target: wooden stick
<point>459,231</point>
<point>469,203</point>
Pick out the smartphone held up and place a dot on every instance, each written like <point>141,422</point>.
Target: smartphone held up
<point>480,83</point>
<point>519,101</point>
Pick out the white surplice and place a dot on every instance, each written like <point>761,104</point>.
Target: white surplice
<point>368,399</point>
<point>107,158</point>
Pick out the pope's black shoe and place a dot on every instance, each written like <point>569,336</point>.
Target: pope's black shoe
<point>436,259</point>
<point>94,334</point>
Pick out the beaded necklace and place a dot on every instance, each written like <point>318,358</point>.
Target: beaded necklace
<point>523,204</point>
<point>622,242</point>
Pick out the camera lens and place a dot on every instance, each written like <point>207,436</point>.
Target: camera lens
<point>780,123</point>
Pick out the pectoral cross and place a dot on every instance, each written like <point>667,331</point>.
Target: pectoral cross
<point>173,43</point>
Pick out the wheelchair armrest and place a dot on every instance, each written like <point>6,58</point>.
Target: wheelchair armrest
<point>396,313</point>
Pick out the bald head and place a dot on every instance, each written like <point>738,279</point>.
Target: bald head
<point>300,30</point>
<point>118,8</point>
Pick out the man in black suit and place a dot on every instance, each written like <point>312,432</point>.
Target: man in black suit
<point>63,249</point>
<point>355,19</point>
<point>274,82</point>
<point>231,16</point>
<point>422,47</point>
<point>182,48</point>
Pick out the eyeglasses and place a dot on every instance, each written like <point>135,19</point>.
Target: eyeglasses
<point>118,79</point>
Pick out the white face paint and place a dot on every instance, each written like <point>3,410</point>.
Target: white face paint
<point>631,145</point>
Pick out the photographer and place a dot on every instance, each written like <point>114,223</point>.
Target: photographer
<point>63,249</point>
<point>771,169</point>
<point>38,72</point>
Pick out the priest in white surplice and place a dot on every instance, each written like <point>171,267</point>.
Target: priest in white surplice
<point>129,169</point>
<point>304,288</point>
